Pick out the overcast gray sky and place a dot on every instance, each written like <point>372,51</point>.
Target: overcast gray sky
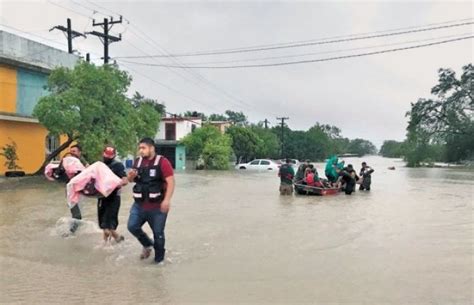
<point>366,97</point>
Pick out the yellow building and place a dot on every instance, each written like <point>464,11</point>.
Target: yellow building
<point>24,69</point>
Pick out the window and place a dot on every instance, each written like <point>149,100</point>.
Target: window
<point>51,144</point>
<point>265,162</point>
<point>170,131</point>
<point>254,162</point>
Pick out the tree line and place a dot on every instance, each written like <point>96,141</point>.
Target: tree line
<point>440,128</point>
<point>244,141</point>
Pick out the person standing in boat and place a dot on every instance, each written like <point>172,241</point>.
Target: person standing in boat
<point>366,174</point>
<point>286,174</point>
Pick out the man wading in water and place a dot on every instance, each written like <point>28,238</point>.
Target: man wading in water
<point>154,187</point>
<point>108,207</point>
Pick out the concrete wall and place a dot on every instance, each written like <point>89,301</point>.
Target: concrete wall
<point>27,53</point>
<point>30,141</point>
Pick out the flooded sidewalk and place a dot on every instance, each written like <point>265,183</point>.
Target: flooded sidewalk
<point>231,239</point>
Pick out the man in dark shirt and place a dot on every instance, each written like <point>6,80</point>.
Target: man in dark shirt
<point>349,179</point>
<point>154,187</point>
<point>366,174</point>
<point>108,207</point>
<point>286,174</point>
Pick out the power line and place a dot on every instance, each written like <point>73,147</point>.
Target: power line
<point>342,36</point>
<point>311,43</point>
<point>311,60</point>
<point>324,52</point>
<point>170,88</point>
<point>237,102</point>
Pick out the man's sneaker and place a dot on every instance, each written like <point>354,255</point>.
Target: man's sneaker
<point>145,253</point>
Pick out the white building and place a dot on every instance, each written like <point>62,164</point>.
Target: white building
<point>175,129</point>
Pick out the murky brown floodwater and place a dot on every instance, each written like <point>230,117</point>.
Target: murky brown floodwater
<point>232,239</point>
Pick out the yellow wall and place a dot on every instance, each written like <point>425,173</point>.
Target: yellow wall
<point>30,141</point>
<point>7,89</point>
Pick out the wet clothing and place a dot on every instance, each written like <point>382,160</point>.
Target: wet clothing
<point>148,192</point>
<point>286,189</point>
<point>349,178</point>
<point>108,207</point>
<point>286,173</point>
<point>366,174</point>
<point>76,215</point>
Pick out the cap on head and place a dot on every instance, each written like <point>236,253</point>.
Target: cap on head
<point>109,152</point>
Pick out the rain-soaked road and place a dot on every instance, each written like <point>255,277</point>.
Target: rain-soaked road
<point>232,239</point>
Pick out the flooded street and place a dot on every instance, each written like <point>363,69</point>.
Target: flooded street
<point>231,239</point>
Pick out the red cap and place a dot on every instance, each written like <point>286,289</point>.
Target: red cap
<point>109,152</point>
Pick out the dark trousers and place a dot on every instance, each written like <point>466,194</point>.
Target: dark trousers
<point>156,220</point>
<point>76,214</point>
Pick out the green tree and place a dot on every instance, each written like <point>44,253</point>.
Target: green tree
<point>270,146</point>
<point>89,105</point>
<point>195,114</point>
<point>209,144</point>
<point>245,142</point>
<point>392,149</point>
<point>138,100</point>
<point>238,118</point>
<point>446,118</point>
<point>361,147</point>
<point>217,152</point>
<point>217,117</point>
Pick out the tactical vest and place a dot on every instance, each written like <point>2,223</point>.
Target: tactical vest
<point>149,183</point>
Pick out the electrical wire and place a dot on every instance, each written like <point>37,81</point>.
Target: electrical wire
<point>305,44</point>
<point>310,60</point>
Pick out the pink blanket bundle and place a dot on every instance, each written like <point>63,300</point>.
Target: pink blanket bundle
<point>105,182</point>
<point>72,165</point>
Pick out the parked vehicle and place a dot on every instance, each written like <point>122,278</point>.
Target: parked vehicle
<point>259,164</point>
<point>294,162</point>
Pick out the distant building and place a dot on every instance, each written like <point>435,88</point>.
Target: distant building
<point>221,125</point>
<point>170,132</point>
<point>24,69</point>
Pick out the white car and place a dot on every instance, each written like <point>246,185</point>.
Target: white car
<point>259,164</point>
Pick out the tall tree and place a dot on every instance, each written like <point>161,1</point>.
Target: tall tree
<point>88,104</point>
<point>446,118</point>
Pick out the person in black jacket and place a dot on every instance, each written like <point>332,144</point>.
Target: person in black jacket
<point>349,179</point>
<point>108,207</point>
<point>366,174</point>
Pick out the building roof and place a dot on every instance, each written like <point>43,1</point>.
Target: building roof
<point>22,52</point>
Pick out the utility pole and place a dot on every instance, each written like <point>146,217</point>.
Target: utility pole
<point>283,119</point>
<point>105,37</point>
<point>70,34</point>
<point>266,123</point>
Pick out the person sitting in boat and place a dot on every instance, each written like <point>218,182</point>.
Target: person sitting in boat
<point>301,172</point>
<point>366,176</point>
<point>312,177</point>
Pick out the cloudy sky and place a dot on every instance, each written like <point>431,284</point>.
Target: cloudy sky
<point>365,96</point>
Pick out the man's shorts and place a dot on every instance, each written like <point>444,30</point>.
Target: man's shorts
<point>107,210</point>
